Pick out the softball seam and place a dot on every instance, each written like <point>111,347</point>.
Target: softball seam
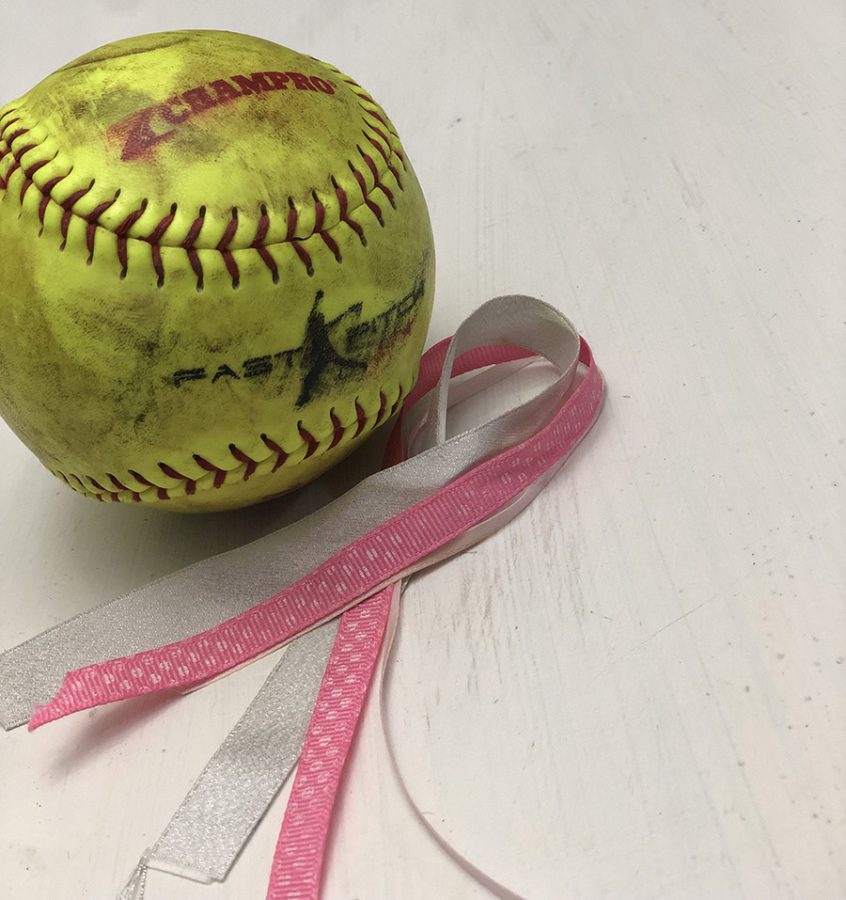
<point>157,236</point>
<point>216,477</point>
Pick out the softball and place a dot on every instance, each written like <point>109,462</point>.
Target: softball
<point>216,265</point>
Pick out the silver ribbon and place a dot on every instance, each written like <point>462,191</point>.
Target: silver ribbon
<point>218,815</point>
<point>238,784</point>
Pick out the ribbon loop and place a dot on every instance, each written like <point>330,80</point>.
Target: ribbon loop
<point>500,323</point>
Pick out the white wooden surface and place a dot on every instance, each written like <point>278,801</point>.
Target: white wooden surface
<point>637,689</point>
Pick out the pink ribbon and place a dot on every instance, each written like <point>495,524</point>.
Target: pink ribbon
<point>369,569</point>
<point>298,860</point>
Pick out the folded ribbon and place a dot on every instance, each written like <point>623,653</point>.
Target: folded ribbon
<point>348,558</point>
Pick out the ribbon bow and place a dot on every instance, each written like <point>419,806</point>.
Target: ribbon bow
<point>327,585</point>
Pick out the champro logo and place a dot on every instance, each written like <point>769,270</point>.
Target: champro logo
<point>140,132</point>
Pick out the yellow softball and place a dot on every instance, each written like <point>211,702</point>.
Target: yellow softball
<point>216,268</point>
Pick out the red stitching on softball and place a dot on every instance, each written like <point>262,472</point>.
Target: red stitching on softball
<point>301,251</point>
<point>188,246</point>
<point>309,439</point>
<point>337,429</point>
<point>258,244</point>
<point>196,266</point>
<point>42,210</point>
<point>261,228</point>
<point>304,257</point>
<point>219,474</point>
<point>13,137</point>
<point>161,493</point>
<point>281,455</point>
<point>153,239</point>
<point>91,229</point>
<point>223,248</point>
<point>320,215</point>
<point>9,112</point>
<point>63,228</point>
<point>380,119</point>
<point>361,419</point>
<point>292,220</point>
<point>242,457</point>
<point>131,219</point>
<point>8,136</point>
<point>117,482</point>
<point>24,188</point>
<point>12,169</point>
<point>250,465</point>
<point>121,232</point>
<point>158,265</point>
<point>382,135</point>
<point>67,206</point>
<point>319,212</point>
<point>383,403</point>
<point>373,207</point>
<point>341,194</point>
<point>30,172</point>
<point>382,152</point>
<point>9,119</point>
<point>46,198</point>
<point>22,150</point>
<point>376,179</point>
<point>17,156</point>
<point>68,203</point>
<point>195,229</point>
<point>190,483</point>
<point>164,223</point>
<point>29,177</point>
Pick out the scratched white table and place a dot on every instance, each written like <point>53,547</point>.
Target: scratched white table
<point>636,689</point>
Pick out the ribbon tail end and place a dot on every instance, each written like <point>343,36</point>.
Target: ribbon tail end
<point>134,888</point>
<point>10,724</point>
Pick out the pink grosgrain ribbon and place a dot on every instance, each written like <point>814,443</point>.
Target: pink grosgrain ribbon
<point>517,453</point>
<point>298,860</point>
<point>354,574</point>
